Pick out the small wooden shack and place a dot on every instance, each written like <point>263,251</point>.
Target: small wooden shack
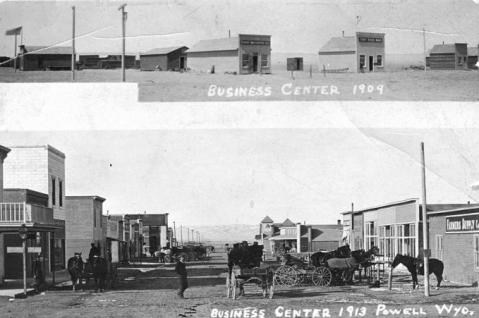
<point>448,57</point>
<point>164,59</point>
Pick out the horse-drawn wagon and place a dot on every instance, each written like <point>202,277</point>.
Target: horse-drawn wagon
<point>245,268</point>
<point>324,268</point>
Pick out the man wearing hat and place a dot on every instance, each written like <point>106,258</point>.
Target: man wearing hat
<point>180,269</point>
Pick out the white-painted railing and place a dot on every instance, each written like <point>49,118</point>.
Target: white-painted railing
<point>14,213</point>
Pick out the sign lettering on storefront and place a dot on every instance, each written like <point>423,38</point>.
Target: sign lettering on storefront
<point>463,223</point>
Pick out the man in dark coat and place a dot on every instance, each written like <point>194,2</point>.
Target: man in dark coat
<point>180,270</point>
<point>93,251</point>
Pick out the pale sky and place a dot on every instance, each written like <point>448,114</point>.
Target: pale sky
<point>295,26</point>
<point>228,176</point>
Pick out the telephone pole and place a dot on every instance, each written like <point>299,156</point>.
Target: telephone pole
<point>73,43</point>
<point>425,232</point>
<point>123,25</point>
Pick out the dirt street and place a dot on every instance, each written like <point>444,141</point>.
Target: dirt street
<point>174,86</point>
<point>149,291</point>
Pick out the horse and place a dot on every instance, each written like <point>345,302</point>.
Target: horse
<point>347,266</point>
<point>244,256</point>
<point>416,267</point>
<point>319,258</point>
<point>75,269</point>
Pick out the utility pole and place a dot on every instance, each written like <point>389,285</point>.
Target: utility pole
<point>174,233</point>
<point>73,43</point>
<point>425,232</point>
<point>424,44</point>
<point>123,25</point>
<point>181,234</point>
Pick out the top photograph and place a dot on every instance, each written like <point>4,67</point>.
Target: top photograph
<point>232,50</point>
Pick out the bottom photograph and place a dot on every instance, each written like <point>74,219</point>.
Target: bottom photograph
<point>233,223</point>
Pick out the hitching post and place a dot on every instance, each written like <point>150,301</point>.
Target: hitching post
<point>23,233</point>
<point>424,224</point>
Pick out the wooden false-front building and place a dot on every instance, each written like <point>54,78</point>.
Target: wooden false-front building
<point>448,57</point>
<point>36,58</point>
<point>244,54</point>
<point>472,54</point>
<point>363,52</point>
<point>164,59</point>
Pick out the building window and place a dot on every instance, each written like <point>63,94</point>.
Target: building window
<point>94,217</point>
<point>397,239</point>
<point>439,247</point>
<point>371,235</point>
<point>54,192</point>
<point>362,61</point>
<point>245,60</point>
<point>379,60</point>
<point>60,193</point>
<point>264,60</point>
<point>476,252</point>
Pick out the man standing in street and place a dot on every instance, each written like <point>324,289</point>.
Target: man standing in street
<point>180,269</point>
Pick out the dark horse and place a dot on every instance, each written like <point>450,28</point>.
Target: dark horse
<point>320,258</point>
<point>416,267</point>
<point>346,266</point>
<point>75,268</point>
<point>98,268</point>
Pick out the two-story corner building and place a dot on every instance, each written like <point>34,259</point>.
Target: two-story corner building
<point>154,231</point>
<point>24,206</point>
<point>84,224</point>
<point>297,237</point>
<point>41,168</point>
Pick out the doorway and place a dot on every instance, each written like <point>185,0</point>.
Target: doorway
<point>255,63</point>
<point>182,63</point>
<point>371,63</point>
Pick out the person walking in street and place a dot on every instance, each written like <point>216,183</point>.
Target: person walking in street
<point>180,270</point>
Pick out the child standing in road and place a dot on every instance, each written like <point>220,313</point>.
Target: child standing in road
<point>180,269</point>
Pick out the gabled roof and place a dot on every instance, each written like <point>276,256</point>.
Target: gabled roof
<point>267,219</point>
<point>288,222</point>
<point>443,49</point>
<point>223,44</point>
<point>473,51</point>
<point>322,233</point>
<point>164,50</point>
<point>31,49</point>
<point>340,44</point>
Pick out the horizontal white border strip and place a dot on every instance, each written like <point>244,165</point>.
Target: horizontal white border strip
<point>107,106</point>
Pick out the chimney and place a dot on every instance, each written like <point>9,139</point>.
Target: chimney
<point>468,202</point>
<point>343,34</point>
<point>339,222</point>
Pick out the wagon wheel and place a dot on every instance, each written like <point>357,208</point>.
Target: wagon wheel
<point>321,276</point>
<point>287,276</point>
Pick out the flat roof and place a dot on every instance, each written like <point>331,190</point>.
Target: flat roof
<point>472,208</point>
<point>47,147</point>
<point>79,197</point>
<point>377,207</point>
